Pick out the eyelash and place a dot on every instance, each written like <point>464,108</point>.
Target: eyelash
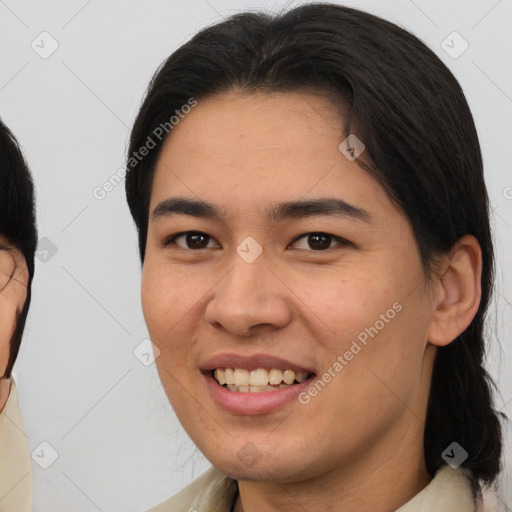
<point>341,241</point>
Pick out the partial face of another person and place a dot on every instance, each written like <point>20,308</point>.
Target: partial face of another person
<point>333,290</point>
<point>13,292</point>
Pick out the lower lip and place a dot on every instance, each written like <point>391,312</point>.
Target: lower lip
<point>261,402</point>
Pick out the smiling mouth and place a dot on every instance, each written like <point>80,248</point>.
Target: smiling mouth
<point>254,381</point>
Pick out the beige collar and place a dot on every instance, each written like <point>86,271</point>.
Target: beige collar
<point>15,465</point>
<point>450,490</point>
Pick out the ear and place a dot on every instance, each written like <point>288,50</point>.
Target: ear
<point>458,291</point>
<point>13,292</point>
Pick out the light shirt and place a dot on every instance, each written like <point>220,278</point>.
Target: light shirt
<point>449,491</point>
<point>15,465</point>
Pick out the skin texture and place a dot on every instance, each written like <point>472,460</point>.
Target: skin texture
<point>364,430</point>
<point>13,292</point>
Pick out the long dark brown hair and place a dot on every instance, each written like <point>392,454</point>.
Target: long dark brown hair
<point>17,220</point>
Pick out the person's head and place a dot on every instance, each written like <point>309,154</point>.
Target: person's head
<point>249,115</point>
<point>18,242</point>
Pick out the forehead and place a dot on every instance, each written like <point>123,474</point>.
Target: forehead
<point>259,147</point>
<point>259,120</point>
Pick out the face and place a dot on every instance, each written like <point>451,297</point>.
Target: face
<point>298,268</point>
<point>13,292</point>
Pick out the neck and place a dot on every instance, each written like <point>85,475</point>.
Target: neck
<point>374,483</point>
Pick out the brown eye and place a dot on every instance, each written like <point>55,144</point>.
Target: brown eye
<point>316,241</point>
<point>319,241</point>
<point>196,240</point>
<point>191,240</point>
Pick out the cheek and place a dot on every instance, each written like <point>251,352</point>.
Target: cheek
<point>170,304</point>
<point>160,304</point>
<point>165,317</point>
<point>150,293</point>
<point>387,370</point>
<point>378,327</point>
<point>346,301</point>
<point>163,291</point>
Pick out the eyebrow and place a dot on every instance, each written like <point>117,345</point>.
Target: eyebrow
<point>277,213</point>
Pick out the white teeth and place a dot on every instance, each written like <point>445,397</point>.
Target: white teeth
<point>219,375</point>
<point>275,376</point>
<point>229,376</point>
<point>240,379</point>
<point>258,377</point>
<point>289,376</point>
<point>255,389</point>
<point>299,376</point>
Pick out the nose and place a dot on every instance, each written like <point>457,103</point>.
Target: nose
<point>249,299</point>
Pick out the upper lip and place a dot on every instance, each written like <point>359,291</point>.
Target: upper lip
<point>251,362</point>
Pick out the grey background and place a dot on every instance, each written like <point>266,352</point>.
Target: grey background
<point>82,390</point>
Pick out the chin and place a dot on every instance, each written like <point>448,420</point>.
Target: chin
<point>247,464</point>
